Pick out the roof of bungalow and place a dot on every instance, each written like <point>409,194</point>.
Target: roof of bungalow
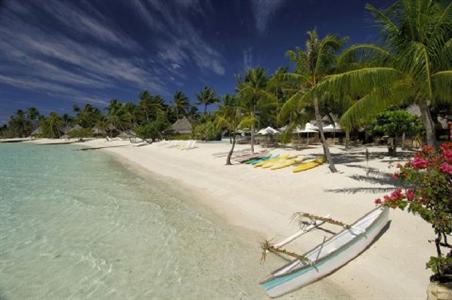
<point>37,131</point>
<point>182,125</point>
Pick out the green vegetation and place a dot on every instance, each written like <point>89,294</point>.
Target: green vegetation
<point>324,82</point>
<point>396,124</point>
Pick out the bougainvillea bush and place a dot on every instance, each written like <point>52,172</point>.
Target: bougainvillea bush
<point>427,192</point>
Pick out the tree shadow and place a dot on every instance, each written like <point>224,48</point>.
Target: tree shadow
<point>381,179</point>
<point>361,190</point>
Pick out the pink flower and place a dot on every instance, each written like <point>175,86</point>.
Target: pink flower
<point>377,201</point>
<point>396,195</point>
<point>448,156</point>
<point>409,195</point>
<point>419,163</point>
<point>446,168</point>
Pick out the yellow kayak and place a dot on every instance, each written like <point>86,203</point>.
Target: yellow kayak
<point>282,158</point>
<point>309,165</point>
<point>261,163</point>
<point>270,161</point>
<point>286,163</point>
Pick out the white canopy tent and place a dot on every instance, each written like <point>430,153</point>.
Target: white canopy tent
<point>268,131</point>
<point>331,128</point>
<point>308,128</point>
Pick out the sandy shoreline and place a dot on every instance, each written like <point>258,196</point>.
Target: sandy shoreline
<point>263,201</point>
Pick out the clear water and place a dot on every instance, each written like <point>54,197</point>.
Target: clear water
<point>78,225</point>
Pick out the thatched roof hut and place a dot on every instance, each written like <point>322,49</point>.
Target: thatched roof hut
<point>76,127</point>
<point>98,131</point>
<point>37,131</point>
<point>182,126</point>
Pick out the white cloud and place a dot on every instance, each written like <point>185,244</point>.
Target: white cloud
<point>247,58</point>
<point>263,11</point>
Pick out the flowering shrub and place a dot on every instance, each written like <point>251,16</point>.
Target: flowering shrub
<point>427,192</point>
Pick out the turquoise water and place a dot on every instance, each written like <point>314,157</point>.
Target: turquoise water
<point>79,225</point>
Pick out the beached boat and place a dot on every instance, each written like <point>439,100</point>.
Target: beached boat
<point>309,165</point>
<point>329,256</point>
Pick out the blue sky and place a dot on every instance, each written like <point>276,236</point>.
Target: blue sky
<point>56,53</point>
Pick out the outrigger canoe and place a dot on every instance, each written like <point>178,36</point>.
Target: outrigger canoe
<point>309,165</point>
<point>329,256</point>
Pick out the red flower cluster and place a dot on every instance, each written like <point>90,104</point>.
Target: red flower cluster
<point>395,196</point>
<point>419,162</point>
<point>446,168</point>
<point>446,151</point>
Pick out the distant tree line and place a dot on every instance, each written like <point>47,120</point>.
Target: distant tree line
<point>325,79</point>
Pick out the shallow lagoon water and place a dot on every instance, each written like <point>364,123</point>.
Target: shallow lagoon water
<point>79,225</point>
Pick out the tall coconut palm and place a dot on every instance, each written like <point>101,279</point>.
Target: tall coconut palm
<point>415,65</point>
<point>116,116</point>
<point>181,103</point>
<point>254,96</point>
<point>313,65</point>
<point>149,106</point>
<point>206,97</point>
<point>55,125</point>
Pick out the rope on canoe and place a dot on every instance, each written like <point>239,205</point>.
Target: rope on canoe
<point>268,247</point>
<point>301,218</point>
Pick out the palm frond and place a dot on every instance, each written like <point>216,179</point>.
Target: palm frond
<point>442,86</point>
<point>295,103</point>
<point>357,82</point>
<point>361,55</point>
<point>367,107</point>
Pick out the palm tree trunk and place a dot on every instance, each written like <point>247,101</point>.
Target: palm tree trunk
<point>347,139</point>
<point>205,109</point>
<point>428,124</point>
<point>252,130</point>
<point>228,159</point>
<point>326,150</point>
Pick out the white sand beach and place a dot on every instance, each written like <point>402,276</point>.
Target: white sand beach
<point>263,201</point>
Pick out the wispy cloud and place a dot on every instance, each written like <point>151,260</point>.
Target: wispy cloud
<point>247,58</point>
<point>263,11</point>
<point>79,51</point>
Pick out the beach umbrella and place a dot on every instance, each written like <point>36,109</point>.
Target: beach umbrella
<point>308,128</point>
<point>268,131</point>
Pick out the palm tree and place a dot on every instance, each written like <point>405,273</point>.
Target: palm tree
<point>115,115</point>
<point>180,103</point>
<point>313,65</point>
<point>150,106</point>
<point>230,116</point>
<point>206,97</point>
<point>32,113</point>
<point>54,123</point>
<point>254,96</point>
<point>413,67</point>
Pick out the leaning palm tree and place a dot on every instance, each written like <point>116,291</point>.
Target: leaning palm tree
<point>230,116</point>
<point>180,103</point>
<point>254,96</point>
<point>206,97</point>
<point>313,65</point>
<point>413,67</point>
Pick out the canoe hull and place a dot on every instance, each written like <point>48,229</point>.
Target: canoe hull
<point>282,284</point>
